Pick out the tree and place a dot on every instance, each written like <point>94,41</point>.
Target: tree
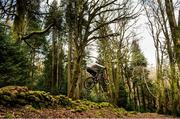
<point>140,81</point>
<point>19,11</point>
<point>155,30</point>
<point>54,62</point>
<point>86,16</point>
<point>175,29</point>
<point>14,63</point>
<point>138,58</point>
<point>164,18</point>
<point>70,20</point>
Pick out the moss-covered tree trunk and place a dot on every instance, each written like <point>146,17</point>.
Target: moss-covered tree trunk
<point>175,33</point>
<point>19,20</point>
<point>175,29</point>
<point>76,71</point>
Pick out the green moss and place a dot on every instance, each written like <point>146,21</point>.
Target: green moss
<point>30,108</point>
<point>3,102</point>
<point>21,94</point>
<point>98,114</point>
<point>120,111</point>
<point>7,98</point>
<point>21,101</point>
<point>81,108</point>
<point>39,99</point>
<point>13,89</point>
<point>133,112</point>
<point>9,115</point>
<point>33,98</point>
<point>105,104</point>
<point>64,101</point>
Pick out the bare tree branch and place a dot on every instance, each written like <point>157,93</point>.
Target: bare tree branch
<point>105,36</point>
<point>37,32</point>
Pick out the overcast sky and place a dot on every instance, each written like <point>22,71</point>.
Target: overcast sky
<point>146,41</point>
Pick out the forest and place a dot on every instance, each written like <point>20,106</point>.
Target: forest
<point>47,45</point>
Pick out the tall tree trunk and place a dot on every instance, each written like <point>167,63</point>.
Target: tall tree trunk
<point>159,78</point>
<point>19,20</point>
<point>129,86</point>
<point>61,67</point>
<point>59,62</point>
<point>58,48</point>
<point>143,97</point>
<point>54,61</point>
<point>175,33</point>
<point>116,83</point>
<point>33,53</point>
<point>76,72</point>
<point>80,83</point>
<point>135,98</point>
<point>69,64</point>
<point>138,99</point>
<point>175,29</point>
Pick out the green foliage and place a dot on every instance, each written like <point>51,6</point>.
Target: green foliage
<point>54,54</point>
<point>93,95</point>
<point>137,57</point>
<point>123,96</point>
<point>142,86</point>
<point>14,62</point>
<point>55,16</point>
<point>45,82</point>
<point>130,105</point>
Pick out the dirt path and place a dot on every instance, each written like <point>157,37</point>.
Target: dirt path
<point>29,112</point>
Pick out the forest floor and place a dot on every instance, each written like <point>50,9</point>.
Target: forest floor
<point>30,112</point>
<point>20,102</point>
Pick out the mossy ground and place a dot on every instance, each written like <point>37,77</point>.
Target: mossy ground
<point>18,102</point>
<point>14,96</point>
